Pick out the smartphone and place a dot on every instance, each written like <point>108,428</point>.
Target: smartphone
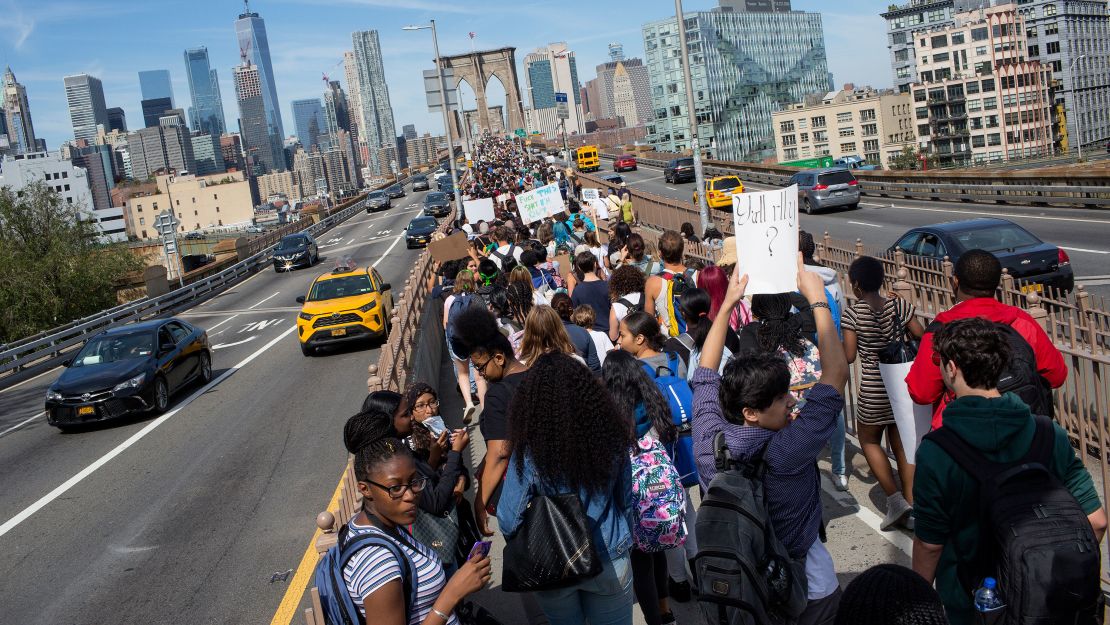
<point>480,549</point>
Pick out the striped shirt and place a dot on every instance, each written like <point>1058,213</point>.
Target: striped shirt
<point>374,567</point>
<point>873,333</point>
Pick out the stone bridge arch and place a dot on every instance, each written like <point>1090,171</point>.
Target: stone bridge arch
<point>476,68</point>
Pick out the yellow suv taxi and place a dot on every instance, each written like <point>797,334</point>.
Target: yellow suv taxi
<point>719,191</point>
<point>350,303</point>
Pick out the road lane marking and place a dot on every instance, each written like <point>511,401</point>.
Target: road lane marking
<point>350,242</point>
<point>672,188</point>
<point>1080,249</point>
<point>864,223</point>
<point>223,345</point>
<point>659,177</point>
<point>222,322</point>
<point>395,242</point>
<point>264,301</point>
<point>22,423</point>
<point>46,499</point>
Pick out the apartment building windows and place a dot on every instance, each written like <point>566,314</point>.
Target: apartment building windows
<point>870,130</point>
<point>818,122</point>
<point>867,115</point>
<point>848,147</point>
<point>844,118</point>
<point>789,140</point>
<point>787,126</point>
<point>847,132</point>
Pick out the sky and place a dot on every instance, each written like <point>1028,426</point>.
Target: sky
<point>45,40</point>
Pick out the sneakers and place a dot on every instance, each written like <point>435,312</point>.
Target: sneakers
<point>840,481</point>
<point>897,511</point>
<point>679,591</point>
<point>468,414</point>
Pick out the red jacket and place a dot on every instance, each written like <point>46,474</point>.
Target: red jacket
<point>927,387</point>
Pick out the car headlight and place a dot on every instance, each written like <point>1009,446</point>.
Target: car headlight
<point>305,316</point>
<point>368,307</point>
<point>134,382</point>
<point>52,395</point>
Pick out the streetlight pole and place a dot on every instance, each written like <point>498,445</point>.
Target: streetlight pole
<point>695,143</point>
<point>1078,115</point>
<point>446,119</point>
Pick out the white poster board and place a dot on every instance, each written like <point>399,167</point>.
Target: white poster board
<point>539,203</point>
<point>590,195</point>
<point>766,226</point>
<point>479,210</point>
<point>913,420</point>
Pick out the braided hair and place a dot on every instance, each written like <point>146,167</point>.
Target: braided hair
<point>778,326</point>
<point>519,301</point>
<point>370,436</point>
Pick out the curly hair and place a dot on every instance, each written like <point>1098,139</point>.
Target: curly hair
<point>421,436</point>
<point>889,594</point>
<point>752,380</point>
<point>867,273</point>
<point>476,332</point>
<point>558,396</point>
<point>778,326</point>
<point>978,347</point>
<point>543,334</point>
<point>630,387</point>
<point>625,280</point>
<point>584,316</point>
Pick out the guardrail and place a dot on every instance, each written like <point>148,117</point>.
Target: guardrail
<point>29,357</point>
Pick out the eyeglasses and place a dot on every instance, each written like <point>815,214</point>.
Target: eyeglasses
<point>397,491</point>
<point>481,368</point>
<point>432,405</point>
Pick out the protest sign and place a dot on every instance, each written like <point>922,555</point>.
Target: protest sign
<point>590,195</point>
<point>539,203</point>
<point>479,210</point>
<point>453,247</point>
<point>766,226</point>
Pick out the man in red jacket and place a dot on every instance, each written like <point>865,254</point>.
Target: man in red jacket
<point>978,274</point>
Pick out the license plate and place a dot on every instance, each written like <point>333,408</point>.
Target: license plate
<point>339,332</point>
<point>838,193</point>
<point>1032,288</point>
<point>86,410</point>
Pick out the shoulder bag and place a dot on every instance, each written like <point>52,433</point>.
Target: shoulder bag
<point>554,546</point>
<point>899,349</point>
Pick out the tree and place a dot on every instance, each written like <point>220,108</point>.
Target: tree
<point>53,267</point>
<point>911,159</point>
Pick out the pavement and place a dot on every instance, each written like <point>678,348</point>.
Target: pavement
<point>186,518</point>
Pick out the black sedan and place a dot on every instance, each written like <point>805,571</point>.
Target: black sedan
<point>420,183</point>
<point>419,231</point>
<point>437,204</point>
<point>130,369</point>
<point>447,188</point>
<point>1034,263</point>
<point>295,250</point>
<point>395,191</point>
<point>377,201</point>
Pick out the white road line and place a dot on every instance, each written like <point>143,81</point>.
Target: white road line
<point>1080,249</point>
<point>22,423</point>
<point>30,510</point>
<point>864,223</point>
<point>350,242</point>
<point>223,345</point>
<point>19,384</point>
<point>870,519</point>
<point>875,205</point>
<point>263,301</point>
<point>660,177</point>
<point>223,322</point>
<point>375,263</point>
<point>1001,215</point>
<point>672,188</point>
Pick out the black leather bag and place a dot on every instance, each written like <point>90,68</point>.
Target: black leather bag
<point>899,349</point>
<point>553,548</point>
<point>438,533</point>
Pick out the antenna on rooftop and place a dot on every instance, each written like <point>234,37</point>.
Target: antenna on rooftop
<point>246,6</point>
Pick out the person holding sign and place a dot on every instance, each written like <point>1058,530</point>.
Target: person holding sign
<point>766,227</point>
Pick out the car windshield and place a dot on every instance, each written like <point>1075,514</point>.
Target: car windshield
<point>996,238</point>
<point>377,194</point>
<point>436,197</point>
<point>292,243</point>
<point>726,183</point>
<point>422,223</point>
<point>114,348</point>
<point>346,286</point>
<point>836,177</point>
<point>684,162</point>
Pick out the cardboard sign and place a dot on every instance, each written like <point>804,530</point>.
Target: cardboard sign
<point>766,226</point>
<point>590,195</point>
<point>565,267</point>
<point>453,247</point>
<point>479,210</point>
<point>535,205</point>
<point>504,197</point>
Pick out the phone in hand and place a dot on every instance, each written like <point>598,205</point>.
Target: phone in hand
<point>480,549</point>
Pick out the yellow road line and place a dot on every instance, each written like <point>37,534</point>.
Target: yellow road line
<point>292,599</point>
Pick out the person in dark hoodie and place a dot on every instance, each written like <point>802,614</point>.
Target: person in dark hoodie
<point>972,355</point>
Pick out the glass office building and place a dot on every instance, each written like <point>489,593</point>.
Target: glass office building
<point>207,112</point>
<point>250,30</point>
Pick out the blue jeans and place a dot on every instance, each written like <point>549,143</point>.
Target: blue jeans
<point>836,447</point>
<point>602,600</point>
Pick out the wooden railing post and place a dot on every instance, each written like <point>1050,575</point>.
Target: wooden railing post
<point>1035,308</point>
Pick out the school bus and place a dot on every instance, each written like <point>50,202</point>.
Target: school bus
<point>587,158</point>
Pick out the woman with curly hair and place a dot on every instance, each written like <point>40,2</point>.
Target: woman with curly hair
<point>560,396</point>
<point>626,291</point>
<point>778,330</point>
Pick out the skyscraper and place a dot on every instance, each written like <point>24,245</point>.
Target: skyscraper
<point>85,97</point>
<point>549,70</point>
<point>155,84</point>
<point>377,113</point>
<point>916,16</point>
<point>117,119</point>
<point>337,113</point>
<point>264,153</point>
<point>628,82</point>
<point>16,113</point>
<point>354,95</point>
<point>308,117</point>
<point>154,109</point>
<point>207,113</point>
<point>409,131</point>
<point>250,30</point>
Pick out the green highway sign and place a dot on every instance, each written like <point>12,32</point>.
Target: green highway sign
<point>519,132</point>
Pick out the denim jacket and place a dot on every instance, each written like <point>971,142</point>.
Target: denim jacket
<point>613,531</point>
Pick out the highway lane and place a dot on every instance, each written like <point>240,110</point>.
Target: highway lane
<point>190,519</point>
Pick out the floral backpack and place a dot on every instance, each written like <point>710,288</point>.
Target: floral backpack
<point>805,372</point>
<point>658,498</point>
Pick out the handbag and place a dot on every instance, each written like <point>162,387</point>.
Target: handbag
<point>553,548</point>
<point>438,533</point>
<point>898,349</point>
<point>468,531</point>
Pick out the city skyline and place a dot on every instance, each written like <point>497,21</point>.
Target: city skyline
<point>308,39</point>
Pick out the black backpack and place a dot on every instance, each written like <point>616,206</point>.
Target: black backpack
<point>1036,540</point>
<point>744,574</point>
<point>1021,376</point>
<point>631,308</point>
<point>508,261</point>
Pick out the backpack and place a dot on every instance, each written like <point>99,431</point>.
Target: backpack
<point>508,261</point>
<point>1020,375</point>
<point>805,371</point>
<point>744,574</point>
<point>693,355</point>
<point>676,284</point>
<point>680,398</point>
<point>631,308</point>
<point>335,599</point>
<point>1038,542</point>
<point>546,281</point>
<point>462,302</point>
<point>658,498</point>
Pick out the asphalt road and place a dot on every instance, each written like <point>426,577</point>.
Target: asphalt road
<point>185,518</point>
<point>1084,233</point>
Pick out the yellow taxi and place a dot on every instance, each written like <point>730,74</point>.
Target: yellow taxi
<point>719,191</point>
<point>350,303</point>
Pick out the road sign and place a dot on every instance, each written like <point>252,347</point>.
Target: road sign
<point>432,87</point>
<point>520,133</point>
<point>171,247</point>
<point>560,96</point>
<point>562,107</point>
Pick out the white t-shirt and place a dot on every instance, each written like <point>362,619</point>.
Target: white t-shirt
<point>602,344</point>
<point>504,251</point>
<point>621,310</point>
<point>820,574</point>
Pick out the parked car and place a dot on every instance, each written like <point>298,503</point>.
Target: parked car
<point>129,369</point>
<point>295,250</point>
<point>719,191</point>
<point>350,303</point>
<point>822,189</point>
<point>420,183</point>
<point>192,236</point>
<point>377,200</point>
<point>447,188</point>
<point>1028,259</point>
<point>437,204</point>
<point>679,170</point>
<point>255,230</point>
<point>624,162</point>
<point>419,231</point>
<point>396,191</point>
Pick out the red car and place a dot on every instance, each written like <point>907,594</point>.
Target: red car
<point>625,162</point>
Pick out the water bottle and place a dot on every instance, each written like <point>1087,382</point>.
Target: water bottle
<point>986,596</point>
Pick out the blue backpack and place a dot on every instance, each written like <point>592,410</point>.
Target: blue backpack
<point>680,398</point>
<point>335,599</point>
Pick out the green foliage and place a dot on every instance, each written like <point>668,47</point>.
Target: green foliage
<point>911,159</point>
<point>53,268</point>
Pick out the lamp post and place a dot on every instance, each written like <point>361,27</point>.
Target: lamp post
<point>695,143</point>
<point>446,121</point>
<point>1078,115</point>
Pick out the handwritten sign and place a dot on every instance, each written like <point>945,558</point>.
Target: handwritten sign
<point>539,203</point>
<point>766,226</point>
<point>590,195</point>
<point>479,210</point>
